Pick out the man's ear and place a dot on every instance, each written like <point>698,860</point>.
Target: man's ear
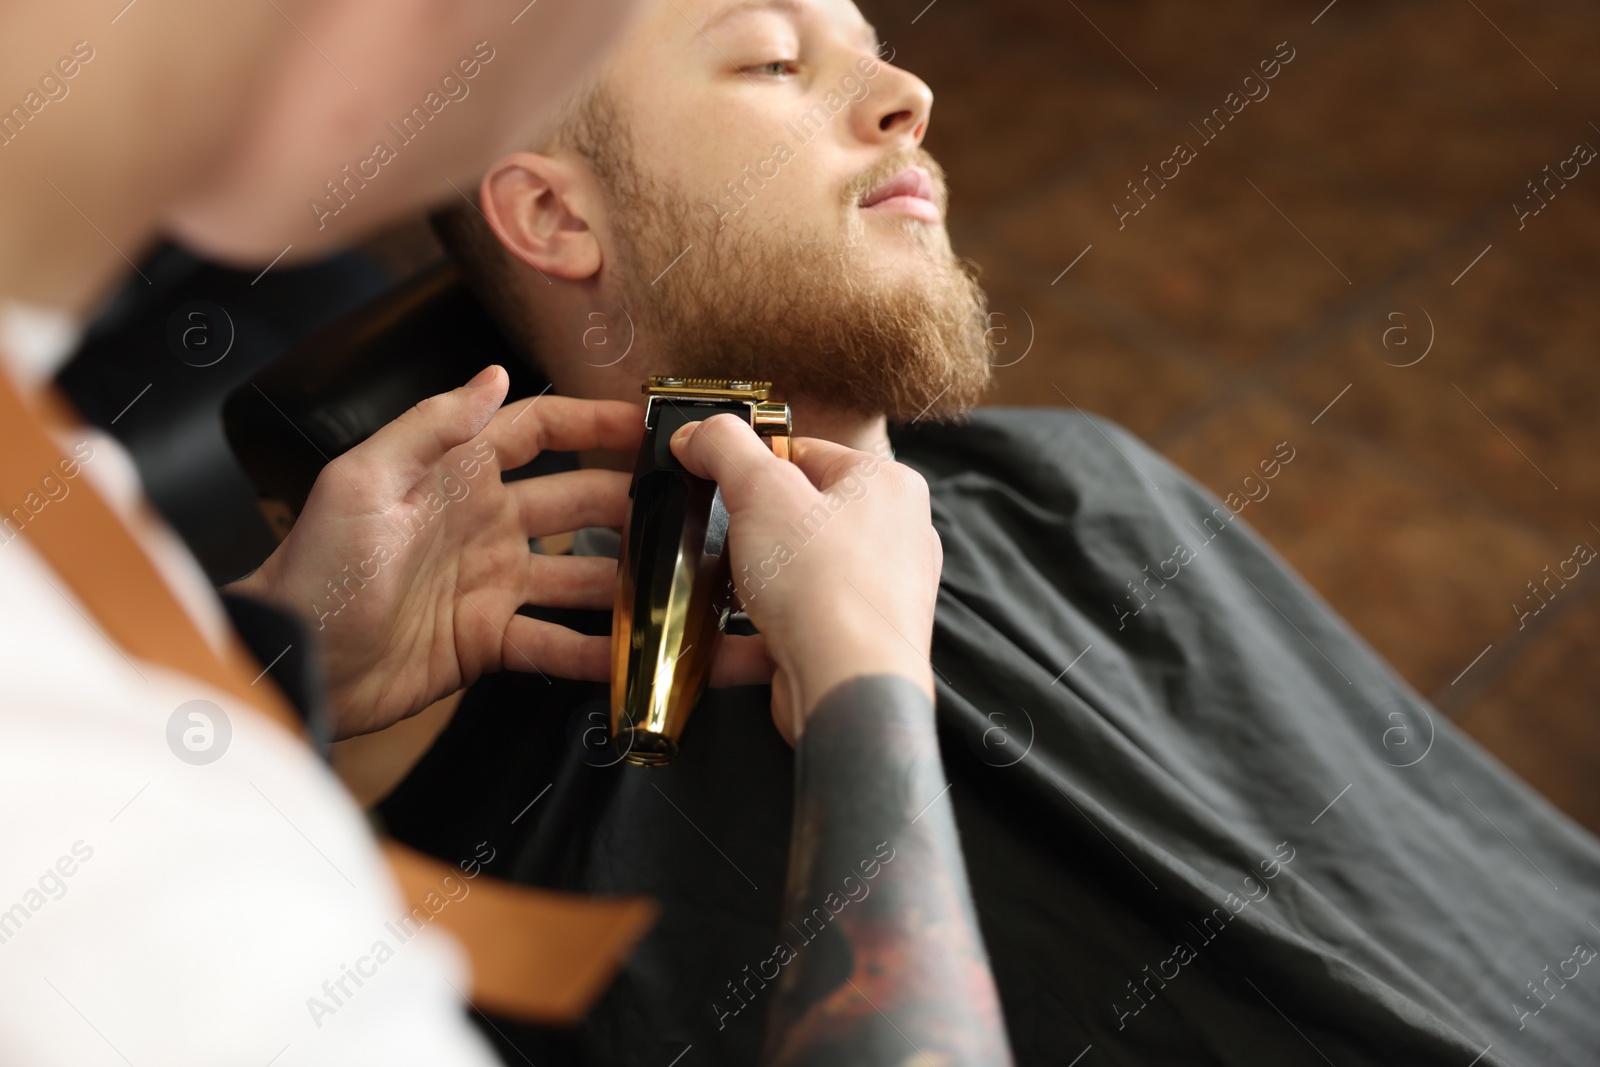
<point>534,206</point>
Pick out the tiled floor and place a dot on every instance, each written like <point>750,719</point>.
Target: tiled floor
<point>1340,267</point>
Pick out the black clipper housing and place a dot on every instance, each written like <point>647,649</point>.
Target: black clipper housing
<point>673,587</point>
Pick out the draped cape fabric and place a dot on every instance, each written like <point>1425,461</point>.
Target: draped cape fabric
<point>1218,831</point>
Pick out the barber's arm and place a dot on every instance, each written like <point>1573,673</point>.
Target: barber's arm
<point>879,959</point>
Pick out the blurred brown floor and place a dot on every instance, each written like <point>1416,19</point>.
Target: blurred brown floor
<point>1248,303</point>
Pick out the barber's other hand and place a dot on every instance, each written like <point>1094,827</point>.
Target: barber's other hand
<point>411,556</point>
<point>834,557</point>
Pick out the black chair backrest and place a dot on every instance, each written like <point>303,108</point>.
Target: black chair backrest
<point>426,336</point>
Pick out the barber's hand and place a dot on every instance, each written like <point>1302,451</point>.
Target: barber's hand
<point>834,557</point>
<point>411,556</point>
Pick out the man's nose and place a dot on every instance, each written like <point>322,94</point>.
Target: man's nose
<point>896,110</point>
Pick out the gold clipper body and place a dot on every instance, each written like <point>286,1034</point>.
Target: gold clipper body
<point>672,572</point>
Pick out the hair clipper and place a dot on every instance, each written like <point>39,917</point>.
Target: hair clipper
<point>673,584</point>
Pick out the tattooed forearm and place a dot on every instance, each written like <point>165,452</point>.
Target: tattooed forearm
<point>880,957</point>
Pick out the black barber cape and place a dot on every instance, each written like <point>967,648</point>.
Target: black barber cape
<point>1204,822</point>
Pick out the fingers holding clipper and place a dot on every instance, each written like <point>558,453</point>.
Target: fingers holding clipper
<point>825,463</point>
<point>725,449</point>
<point>741,661</point>
<point>417,440</point>
<point>570,581</point>
<point>570,500</point>
<point>538,647</point>
<point>528,427</point>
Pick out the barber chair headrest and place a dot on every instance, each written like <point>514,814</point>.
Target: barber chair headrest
<point>426,336</point>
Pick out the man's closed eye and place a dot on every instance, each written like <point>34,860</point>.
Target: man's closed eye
<point>777,68</point>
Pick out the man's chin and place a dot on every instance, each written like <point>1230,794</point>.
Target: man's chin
<point>907,244</point>
<point>907,208</point>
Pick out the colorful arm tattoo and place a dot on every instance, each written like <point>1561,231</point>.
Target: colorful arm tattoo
<point>881,961</point>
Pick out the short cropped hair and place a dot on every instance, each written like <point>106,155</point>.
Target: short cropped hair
<point>588,125</point>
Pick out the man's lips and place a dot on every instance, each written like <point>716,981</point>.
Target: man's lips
<point>908,193</point>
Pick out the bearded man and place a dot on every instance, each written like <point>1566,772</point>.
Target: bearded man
<point>1204,822</point>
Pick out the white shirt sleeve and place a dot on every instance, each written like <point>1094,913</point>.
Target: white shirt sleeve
<point>156,910</point>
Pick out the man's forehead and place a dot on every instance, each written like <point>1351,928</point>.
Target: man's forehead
<point>700,17</point>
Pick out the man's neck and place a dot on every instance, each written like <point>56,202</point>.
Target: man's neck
<point>574,376</point>
<point>865,433</point>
